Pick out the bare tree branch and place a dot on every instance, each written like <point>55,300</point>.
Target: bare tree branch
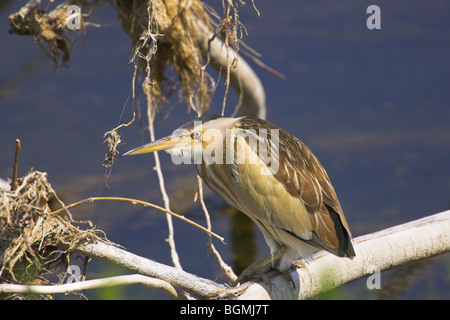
<point>78,286</point>
<point>246,83</point>
<point>384,249</point>
<point>171,237</point>
<point>200,287</point>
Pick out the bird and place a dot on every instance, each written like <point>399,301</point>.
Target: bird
<point>269,175</point>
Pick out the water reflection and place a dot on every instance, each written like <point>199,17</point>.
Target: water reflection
<point>243,241</point>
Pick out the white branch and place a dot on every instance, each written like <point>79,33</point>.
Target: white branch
<point>248,86</point>
<point>171,237</point>
<point>199,287</point>
<point>93,284</point>
<point>385,249</point>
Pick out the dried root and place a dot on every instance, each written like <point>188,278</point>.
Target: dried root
<point>30,236</point>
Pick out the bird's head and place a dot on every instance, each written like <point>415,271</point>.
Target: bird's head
<point>193,139</point>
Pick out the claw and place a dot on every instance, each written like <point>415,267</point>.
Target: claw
<point>288,276</point>
<point>294,266</point>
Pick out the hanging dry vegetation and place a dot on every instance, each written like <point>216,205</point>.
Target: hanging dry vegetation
<point>163,32</point>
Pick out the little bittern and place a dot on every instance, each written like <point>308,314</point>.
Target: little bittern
<point>269,175</point>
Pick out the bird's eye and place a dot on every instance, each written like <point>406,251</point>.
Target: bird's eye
<point>196,135</point>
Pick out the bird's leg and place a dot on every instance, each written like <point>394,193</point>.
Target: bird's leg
<point>258,264</point>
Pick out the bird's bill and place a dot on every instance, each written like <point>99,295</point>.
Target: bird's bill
<point>158,145</point>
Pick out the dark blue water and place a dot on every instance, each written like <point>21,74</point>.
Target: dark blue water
<point>373,105</point>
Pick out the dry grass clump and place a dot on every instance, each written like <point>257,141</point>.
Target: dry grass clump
<point>30,236</point>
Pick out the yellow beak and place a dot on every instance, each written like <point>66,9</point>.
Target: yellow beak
<point>158,145</point>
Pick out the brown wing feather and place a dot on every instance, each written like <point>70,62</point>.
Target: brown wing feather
<point>304,178</point>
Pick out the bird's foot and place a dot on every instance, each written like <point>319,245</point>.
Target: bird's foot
<point>288,275</point>
<point>297,264</point>
<point>256,269</point>
<point>259,268</point>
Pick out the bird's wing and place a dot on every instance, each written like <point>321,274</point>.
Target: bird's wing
<point>305,178</point>
<point>303,202</point>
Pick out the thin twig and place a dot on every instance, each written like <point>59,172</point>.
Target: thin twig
<point>114,138</point>
<point>171,238</point>
<point>15,165</point>
<point>227,270</point>
<point>133,81</point>
<point>153,34</point>
<point>254,7</point>
<point>225,25</point>
<point>135,201</point>
<point>261,64</point>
